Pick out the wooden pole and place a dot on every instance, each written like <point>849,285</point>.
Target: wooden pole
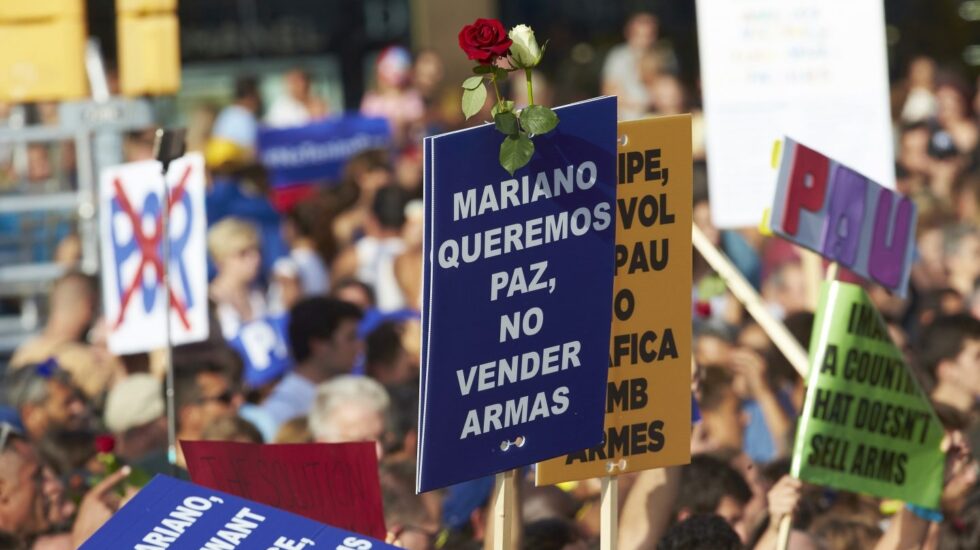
<point>753,303</point>
<point>503,510</point>
<point>165,281</point>
<point>832,270</point>
<point>786,522</point>
<point>785,526</point>
<point>609,514</point>
<point>812,264</point>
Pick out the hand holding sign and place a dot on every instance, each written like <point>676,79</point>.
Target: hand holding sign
<point>97,506</point>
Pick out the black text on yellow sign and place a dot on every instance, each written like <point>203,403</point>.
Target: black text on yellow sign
<point>648,399</point>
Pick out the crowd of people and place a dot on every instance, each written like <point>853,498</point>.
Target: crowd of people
<point>332,279</point>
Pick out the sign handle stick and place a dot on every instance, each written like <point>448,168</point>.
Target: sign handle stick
<point>503,510</point>
<point>786,522</point>
<point>785,525</point>
<point>744,292</point>
<point>609,514</point>
<point>832,270</point>
<point>168,356</point>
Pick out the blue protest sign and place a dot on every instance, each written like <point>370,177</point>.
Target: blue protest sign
<point>169,513</point>
<point>318,151</point>
<point>517,298</point>
<point>263,345</point>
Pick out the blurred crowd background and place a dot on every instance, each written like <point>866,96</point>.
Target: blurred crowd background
<point>338,267</point>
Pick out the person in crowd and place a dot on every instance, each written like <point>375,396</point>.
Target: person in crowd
<point>73,304</point>
<point>351,290</point>
<point>204,393</point>
<point>298,105</point>
<point>920,90</point>
<point>953,114</point>
<point>363,175</point>
<point>232,428</point>
<point>962,258</point>
<point>305,262</point>
<point>949,351</point>
<point>428,75</point>
<point>394,98</point>
<point>236,126</point>
<point>701,531</point>
<point>410,523</point>
<point>785,289</point>
<point>372,258</point>
<point>135,414</point>
<point>929,272</point>
<point>408,265</point>
<point>296,430</point>
<point>387,360</point>
<point>46,400</point>
<point>712,486</point>
<point>29,499</point>
<point>622,68</point>
<point>669,97</point>
<point>723,423</point>
<point>34,510</point>
<point>768,428</point>
<point>552,534</point>
<point>234,247</point>
<point>324,343</point>
<point>350,408</point>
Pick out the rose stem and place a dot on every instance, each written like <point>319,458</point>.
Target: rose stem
<point>496,91</point>
<point>530,92</point>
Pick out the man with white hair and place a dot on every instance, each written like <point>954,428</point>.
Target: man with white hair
<point>350,408</point>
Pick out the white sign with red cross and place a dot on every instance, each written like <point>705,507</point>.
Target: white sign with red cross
<point>131,224</point>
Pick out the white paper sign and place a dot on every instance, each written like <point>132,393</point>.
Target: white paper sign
<point>131,202</point>
<point>813,69</point>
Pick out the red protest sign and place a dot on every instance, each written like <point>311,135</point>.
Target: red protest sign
<point>333,483</point>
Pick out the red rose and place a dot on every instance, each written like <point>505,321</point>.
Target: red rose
<point>484,40</point>
<point>105,443</point>
<point>703,308</point>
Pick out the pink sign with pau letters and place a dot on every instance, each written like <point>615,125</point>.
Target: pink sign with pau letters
<point>844,216</point>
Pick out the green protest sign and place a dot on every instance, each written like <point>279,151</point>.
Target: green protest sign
<point>866,425</point>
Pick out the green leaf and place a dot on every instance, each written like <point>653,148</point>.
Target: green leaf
<point>508,108</point>
<point>473,100</point>
<point>472,82</point>
<point>501,73</point>
<point>506,123</point>
<point>515,152</point>
<point>538,119</point>
<point>483,69</point>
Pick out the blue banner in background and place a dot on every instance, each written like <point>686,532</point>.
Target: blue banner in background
<point>263,345</point>
<point>169,513</point>
<point>318,152</point>
<point>518,296</point>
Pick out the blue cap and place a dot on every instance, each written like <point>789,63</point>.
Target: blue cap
<point>462,498</point>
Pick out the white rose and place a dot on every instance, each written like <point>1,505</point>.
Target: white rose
<point>525,50</point>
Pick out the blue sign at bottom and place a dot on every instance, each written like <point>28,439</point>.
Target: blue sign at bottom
<point>169,513</point>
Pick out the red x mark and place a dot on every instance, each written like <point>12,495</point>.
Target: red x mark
<point>148,248</point>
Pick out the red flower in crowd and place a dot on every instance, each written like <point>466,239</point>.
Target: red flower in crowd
<point>702,308</point>
<point>105,443</point>
<point>484,40</point>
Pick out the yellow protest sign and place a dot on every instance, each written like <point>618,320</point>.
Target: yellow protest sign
<point>648,397</point>
<point>43,53</point>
